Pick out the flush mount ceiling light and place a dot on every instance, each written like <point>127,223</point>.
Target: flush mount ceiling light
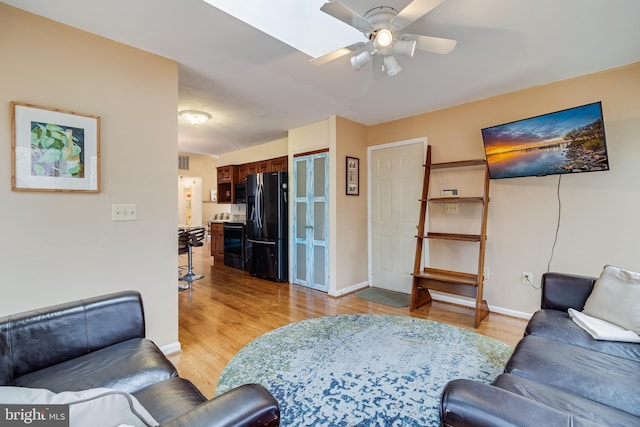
<point>383,27</point>
<point>194,117</point>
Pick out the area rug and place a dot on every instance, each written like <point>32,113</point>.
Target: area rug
<point>386,297</point>
<point>363,369</point>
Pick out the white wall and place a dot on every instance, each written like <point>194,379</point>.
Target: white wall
<point>60,247</point>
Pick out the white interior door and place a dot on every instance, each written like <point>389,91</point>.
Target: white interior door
<point>397,173</point>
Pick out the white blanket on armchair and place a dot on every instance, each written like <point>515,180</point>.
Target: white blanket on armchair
<point>98,407</point>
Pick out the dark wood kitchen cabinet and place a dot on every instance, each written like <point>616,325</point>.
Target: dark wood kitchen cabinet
<point>230,175</point>
<point>279,164</point>
<point>227,178</point>
<point>246,169</point>
<point>217,241</point>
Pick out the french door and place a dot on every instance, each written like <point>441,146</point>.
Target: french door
<point>311,221</point>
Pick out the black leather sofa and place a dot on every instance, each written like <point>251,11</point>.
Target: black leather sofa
<point>100,342</point>
<point>557,375</point>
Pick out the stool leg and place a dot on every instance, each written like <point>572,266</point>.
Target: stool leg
<point>190,276</point>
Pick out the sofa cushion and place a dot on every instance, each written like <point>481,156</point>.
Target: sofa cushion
<point>596,376</point>
<point>99,407</point>
<point>616,298</point>
<point>565,401</point>
<point>170,398</point>
<point>127,366</point>
<point>558,326</point>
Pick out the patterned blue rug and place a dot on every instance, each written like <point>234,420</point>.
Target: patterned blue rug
<point>363,369</point>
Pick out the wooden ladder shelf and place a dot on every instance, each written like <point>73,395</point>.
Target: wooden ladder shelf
<point>454,282</point>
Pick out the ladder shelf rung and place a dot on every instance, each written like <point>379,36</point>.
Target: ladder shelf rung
<point>446,281</point>
<point>459,164</point>
<point>456,200</point>
<point>453,236</point>
<point>448,276</point>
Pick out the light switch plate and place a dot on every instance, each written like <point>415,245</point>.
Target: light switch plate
<point>124,212</point>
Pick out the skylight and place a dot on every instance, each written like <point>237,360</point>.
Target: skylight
<point>298,23</point>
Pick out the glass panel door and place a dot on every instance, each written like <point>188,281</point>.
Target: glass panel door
<point>311,230</point>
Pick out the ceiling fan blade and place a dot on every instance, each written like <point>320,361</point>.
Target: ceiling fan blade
<point>432,44</point>
<point>346,15</point>
<point>377,67</point>
<point>414,11</point>
<point>336,54</point>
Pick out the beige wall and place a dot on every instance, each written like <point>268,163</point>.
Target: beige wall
<point>309,138</point>
<point>269,150</point>
<point>599,210</point>
<point>349,253</point>
<point>59,247</point>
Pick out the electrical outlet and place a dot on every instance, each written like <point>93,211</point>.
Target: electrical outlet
<point>451,208</point>
<point>526,278</point>
<point>121,212</point>
<point>485,273</point>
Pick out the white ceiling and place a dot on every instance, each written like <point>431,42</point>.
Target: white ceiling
<point>257,87</point>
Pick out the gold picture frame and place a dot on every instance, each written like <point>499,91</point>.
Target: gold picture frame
<point>54,150</point>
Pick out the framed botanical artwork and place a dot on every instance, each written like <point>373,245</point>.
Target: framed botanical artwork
<point>353,176</point>
<point>54,150</point>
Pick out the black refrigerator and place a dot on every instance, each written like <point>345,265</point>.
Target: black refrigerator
<point>267,225</point>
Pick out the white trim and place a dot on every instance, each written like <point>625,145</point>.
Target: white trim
<point>492,308</point>
<point>172,348</point>
<point>348,290</point>
<point>370,150</point>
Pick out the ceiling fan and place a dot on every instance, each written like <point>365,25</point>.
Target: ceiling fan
<point>382,26</point>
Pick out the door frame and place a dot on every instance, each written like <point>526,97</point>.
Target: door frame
<point>425,250</point>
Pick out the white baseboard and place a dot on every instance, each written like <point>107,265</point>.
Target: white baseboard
<point>492,308</point>
<point>171,348</point>
<point>350,289</point>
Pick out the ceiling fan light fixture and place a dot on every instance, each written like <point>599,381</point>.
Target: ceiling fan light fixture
<point>391,65</point>
<point>405,47</point>
<point>195,117</point>
<point>383,38</point>
<point>360,60</point>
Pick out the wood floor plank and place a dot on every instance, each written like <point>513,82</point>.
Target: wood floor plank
<point>228,309</point>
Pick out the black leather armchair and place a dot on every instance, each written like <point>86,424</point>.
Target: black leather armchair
<point>100,342</point>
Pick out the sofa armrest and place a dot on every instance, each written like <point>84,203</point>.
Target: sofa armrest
<point>563,291</point>
<point>467,403</point>
<point>247,405</point>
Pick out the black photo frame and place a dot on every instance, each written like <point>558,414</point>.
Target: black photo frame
<point>353,176</point>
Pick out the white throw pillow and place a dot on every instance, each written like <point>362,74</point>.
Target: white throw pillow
<point>98,407</point>
<point>616,298</point>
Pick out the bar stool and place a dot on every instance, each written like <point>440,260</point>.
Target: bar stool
<point>187,240</point>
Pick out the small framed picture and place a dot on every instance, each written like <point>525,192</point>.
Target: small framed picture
<point>353,176</point>
<point>54,150</point>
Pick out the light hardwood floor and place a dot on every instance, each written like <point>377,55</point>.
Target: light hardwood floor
<point>228,309</point>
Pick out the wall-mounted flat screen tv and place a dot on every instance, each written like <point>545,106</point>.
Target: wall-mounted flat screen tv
<point>567,141</point>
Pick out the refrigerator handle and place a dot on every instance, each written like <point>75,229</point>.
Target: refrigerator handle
<point>261,242</point>
<point>259,204</point>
